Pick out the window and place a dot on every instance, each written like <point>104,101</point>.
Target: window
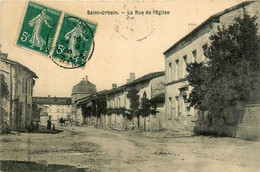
<point>170,72</point>
<point>24,86</point>
<point>205,48</point>
<point>184,65</point>
<point>177,107</point>
<point>113,103</point>
<point>194,56</point>
<point>170,108</point>
<point>118,102</point>
<point>58,110</point>
<point>177,69</point>
<point>62,110</point>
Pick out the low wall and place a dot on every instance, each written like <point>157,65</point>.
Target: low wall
<point>249,126</point>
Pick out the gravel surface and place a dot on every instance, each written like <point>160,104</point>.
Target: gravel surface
<point>92,149</point>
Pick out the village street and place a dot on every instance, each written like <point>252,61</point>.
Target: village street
<point>110,150</point>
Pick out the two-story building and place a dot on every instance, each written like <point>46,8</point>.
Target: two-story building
<point>189,49</point>
<point>148,86</point>
<point>17,106</point>
<point>56,108</point>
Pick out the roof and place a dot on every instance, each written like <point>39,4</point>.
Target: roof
<point>52,100</point>
<point>147,77</point>
<point>17,64</point>
<point>144,78</point>
<point>84,87</point>
<point>213,18</point>
<point>92,96</point>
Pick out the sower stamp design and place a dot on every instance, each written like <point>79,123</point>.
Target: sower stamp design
<point>38,28</point>
<point>75,42</point>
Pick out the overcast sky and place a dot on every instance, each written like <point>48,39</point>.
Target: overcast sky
<point>117,51</point>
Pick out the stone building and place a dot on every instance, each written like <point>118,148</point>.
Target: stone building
<point>188,49</point>
<point>150,86</point>
<point>83,89</point>
<point>20,81</point>
<point>57,107</point>
<point>117,102</point>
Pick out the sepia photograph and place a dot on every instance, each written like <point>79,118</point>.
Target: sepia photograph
<point>131,86</point>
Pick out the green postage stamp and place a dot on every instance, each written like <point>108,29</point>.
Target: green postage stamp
<point>74,44</point>
<point>38,28</point>
<point>75,41</point>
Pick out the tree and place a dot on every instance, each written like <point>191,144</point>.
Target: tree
<point>231,73</point>
<point>134,103</point>
<point>36,111</point>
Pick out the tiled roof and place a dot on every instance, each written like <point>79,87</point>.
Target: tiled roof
<point>84,87</point>
<point>214,17</point>
<point>17,64</point>
<point>147,77</point>
<point>144,78</point>
<point>52,100</point>
<point>89,97</point>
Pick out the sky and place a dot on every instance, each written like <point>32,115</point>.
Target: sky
<point>122,45</point>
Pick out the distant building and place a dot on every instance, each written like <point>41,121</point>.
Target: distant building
<point>189,49</point>
<point>20,81</point>
<point>151,86</point>
<point>82,89</point>
<point>57,107</point>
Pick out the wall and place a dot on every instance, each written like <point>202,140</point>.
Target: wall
<point>19,105</point>
<point>174,75</point>
<point>58,111</point>
<point>249,126</point>
<point>178,112</point>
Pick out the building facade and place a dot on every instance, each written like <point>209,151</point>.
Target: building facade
<point>56,108</point>
<point>83,89</point>
<point>117,102</point>
<point>189,49</point>
<point>17,106</point>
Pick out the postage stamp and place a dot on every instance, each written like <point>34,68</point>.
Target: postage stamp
<point>75,43</point>
<point>38,28</point>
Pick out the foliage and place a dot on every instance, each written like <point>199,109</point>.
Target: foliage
<point>98,106</point>
<point>134,101</point>
<point>145,106</point>
<point>3,112</point>
<point>101,105</point>
<point>116,111</point>
<point>36,111</point>
<point>231,71</point>
<point>86,111</point>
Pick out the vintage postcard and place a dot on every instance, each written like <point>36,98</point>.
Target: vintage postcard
<point>151,86</point>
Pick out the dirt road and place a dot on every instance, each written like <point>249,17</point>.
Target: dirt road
<point>91,149</point>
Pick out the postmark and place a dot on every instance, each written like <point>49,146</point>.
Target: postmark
<point>40,23</point>
<point>75,43</point>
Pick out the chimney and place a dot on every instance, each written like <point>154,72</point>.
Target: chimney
<point>114,85</point>
<point>132,76</point>
<point>86,77</point>
<point>191,26</point>
<point>3,55</point>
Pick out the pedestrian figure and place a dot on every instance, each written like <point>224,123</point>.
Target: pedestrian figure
<point>49,123</point>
